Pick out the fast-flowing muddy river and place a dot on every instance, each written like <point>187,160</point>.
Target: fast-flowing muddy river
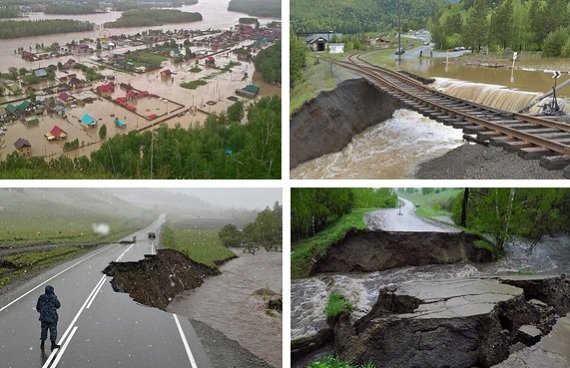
<point>226,303</point>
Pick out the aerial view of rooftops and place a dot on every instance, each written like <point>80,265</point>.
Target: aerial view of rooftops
<point>125,89</point>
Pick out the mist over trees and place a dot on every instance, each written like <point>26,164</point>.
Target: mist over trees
<point>265,231</point>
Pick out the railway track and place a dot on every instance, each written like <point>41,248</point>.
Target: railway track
<point>532,137</point>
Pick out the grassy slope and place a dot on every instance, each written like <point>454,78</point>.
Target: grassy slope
<point>303,252</point>
<point>30,263</point>
<point>201,245</point>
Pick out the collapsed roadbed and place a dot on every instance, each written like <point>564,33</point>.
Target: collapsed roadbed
<point>157,279</point>
<point>376,250</point>
<point>460,323</point>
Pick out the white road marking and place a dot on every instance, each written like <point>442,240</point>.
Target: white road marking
<point>62,350</point>
<point>51,278</point>
<point>101,283</point>
<point>123,254</point>
<point>185,342</point>
<point>71,325</point>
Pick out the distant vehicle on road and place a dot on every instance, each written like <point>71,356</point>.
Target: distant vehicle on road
<point>151,235</point>
<point>427,43</point>
<point>400,51</point>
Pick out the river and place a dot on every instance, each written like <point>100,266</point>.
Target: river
<point>225,303</point>
<point>309,295</point>
<point>214,15</point>
<point>390,149</point>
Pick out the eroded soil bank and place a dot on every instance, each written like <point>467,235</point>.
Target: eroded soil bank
<point>156,280</point>
<point>367,251</point>
<point>327,123</point>
<point>460,323</point>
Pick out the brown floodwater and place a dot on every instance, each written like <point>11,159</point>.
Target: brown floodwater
<point>389,150</point>
<point>523,80</point>
<point>225,303</point>
<point>214,16</point>
<point>196,105</point>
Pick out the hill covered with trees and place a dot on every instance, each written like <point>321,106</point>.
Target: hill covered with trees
<point>354,16</point>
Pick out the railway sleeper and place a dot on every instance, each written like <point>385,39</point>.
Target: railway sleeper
<point>486,135</point>
<point>555,162</point>
<point>501,141</point>
<point>536,153</point>
<point>555,136</point>
<point>475,139</point>
<point>516,145</point>
<point>473,129</point>
<point>460,124</point>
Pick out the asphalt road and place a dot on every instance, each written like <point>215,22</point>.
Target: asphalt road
<point>403,219</point>
<point>98,327</point>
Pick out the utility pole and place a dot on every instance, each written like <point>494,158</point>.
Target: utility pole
<point>399,31</point>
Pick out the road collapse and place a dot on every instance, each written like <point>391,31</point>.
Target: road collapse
<point>157,279</point>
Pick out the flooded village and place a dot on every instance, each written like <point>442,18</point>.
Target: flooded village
<point>66,96</point>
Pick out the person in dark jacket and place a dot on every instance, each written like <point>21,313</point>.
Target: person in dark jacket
<point>47,307</point>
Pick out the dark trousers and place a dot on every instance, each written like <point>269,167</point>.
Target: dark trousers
<point>52,327</point>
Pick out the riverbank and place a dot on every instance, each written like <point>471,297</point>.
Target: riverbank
<point>233,303</point>
<point>474,161</point>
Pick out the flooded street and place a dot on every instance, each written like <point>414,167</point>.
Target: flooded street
<point>391,149</point>
<point>403,219</point>
<point>226,303</point>
<point>214,16</point>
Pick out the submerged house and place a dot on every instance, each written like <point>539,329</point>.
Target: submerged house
<point>23,147</point>
<point>55,134</point>
<point>88,120</point>
<point>249,91</point>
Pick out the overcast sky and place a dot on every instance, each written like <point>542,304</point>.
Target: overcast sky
<point>249,198</point>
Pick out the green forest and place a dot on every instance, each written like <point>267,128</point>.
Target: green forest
<point>268,62</point>
<point>265,231</point>
<point>313,209</point>
<point>223,149</point>
<point>258,8</point>
<point>153,17</point>
<point>15,29</point>
<point>356,16</point>
<point>506,214</point>
<point>9,12</point>
<point>72,9</point>
<point>520,25</point>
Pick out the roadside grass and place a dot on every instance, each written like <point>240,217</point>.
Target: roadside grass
<point>382,58</point>
<point>433,204</point>
<point>336,304</point>
<point>59,225</point>
<point>316,79</point>
<point>193,84</point>
<point>200,245</point>
<point>304,252</point>
<point>31,263</point>
<point>332,362</point>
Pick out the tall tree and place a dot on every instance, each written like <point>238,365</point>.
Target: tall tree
<point>477,25</point>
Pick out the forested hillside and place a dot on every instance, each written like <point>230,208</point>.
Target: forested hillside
<point>524,25</point>
<point>352,16</point>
